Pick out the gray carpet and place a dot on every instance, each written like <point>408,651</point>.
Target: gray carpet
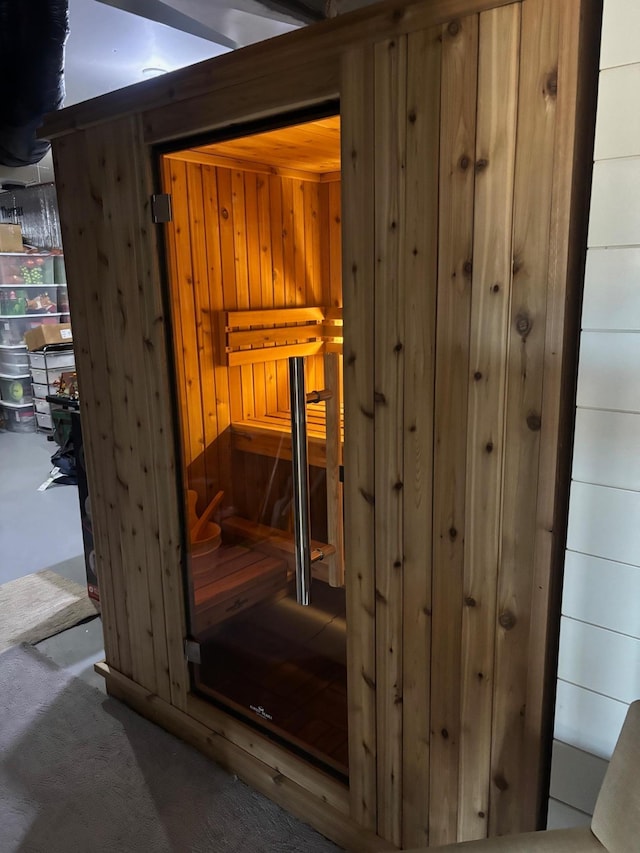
<point>81,772</point>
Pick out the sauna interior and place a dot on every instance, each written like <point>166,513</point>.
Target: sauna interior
<point>254,271</point>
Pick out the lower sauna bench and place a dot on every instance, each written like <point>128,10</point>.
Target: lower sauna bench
<point>270,435</point>
<point>232,579</point>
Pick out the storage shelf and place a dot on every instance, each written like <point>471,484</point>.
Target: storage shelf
<point>31,255</point>
<point>16,405</point>
<point>21,376</point>
<point>13,346</point>
<point>29,316</point>
<point>22,286</point>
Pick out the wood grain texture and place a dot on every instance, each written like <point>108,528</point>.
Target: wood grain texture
<point>389,326</point>
<point>357,97</point>
<point>532,202</point>
<point>335,504</point>
<point>82,274</point>
<point>419,257</point>
<point>499,37</point>
<point>455,247</point>
<point>437,742</point>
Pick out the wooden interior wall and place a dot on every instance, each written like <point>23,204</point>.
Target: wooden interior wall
<point>240,240</point>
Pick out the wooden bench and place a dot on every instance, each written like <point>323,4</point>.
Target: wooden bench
<point>233,579</point>
<point>256,336</point>
<point>270,435</point>
<point>256,563</point>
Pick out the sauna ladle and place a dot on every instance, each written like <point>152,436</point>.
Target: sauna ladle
<point>200,524</point>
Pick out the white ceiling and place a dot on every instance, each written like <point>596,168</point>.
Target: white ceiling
<point>108,48</point>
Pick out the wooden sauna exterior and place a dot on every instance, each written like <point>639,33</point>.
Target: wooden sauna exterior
<point>466,137</point>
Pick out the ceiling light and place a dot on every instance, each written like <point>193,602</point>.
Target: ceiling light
<point>153,71</point>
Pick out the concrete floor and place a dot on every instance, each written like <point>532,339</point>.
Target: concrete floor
<point>41,530</point>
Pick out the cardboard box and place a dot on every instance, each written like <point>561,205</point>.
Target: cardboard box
<point>10,237</point>
<point>47,334</point>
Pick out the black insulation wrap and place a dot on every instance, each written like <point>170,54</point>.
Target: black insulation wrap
<point>32,38</point>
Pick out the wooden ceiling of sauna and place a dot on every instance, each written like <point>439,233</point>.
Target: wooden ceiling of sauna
<point>312,147</point>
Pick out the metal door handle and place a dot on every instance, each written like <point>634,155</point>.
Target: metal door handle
<point>299,459</point>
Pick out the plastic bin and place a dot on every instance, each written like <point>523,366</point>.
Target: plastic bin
<point>16,389</point>
<point>14,361</point>
<point>30,299</point>
<point>17,269</point>
<point>44,421</point>
<point>42,391</point>
<point>18,418</point>
<point>12,329</point>
<point>60,360</point>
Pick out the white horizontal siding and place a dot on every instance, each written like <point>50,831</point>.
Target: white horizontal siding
<point>607,448</point>
<point>612,288</point>
<point>603,593</point>
<point>562,816</point>
<point>588,720</point>
<point>576,777</point>
<point>609,371</point>
<point>618,121</point>
<point>620,28</point>
<point>599,655</point>
<point>615,207</point>
<point>599,660</point>
<point>604,522</point>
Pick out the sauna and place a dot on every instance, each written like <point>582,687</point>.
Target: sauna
<point>326,296</point>
<point>255,272</point>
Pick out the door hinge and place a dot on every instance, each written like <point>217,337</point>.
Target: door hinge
<point>161,207</point>
<point>192,651</point>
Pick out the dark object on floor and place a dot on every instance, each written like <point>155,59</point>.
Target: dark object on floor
<point>65,459</point>
<point>79,771</point>
<point>32,38</point>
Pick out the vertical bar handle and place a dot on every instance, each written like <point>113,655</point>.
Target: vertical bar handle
<point>299,459</point>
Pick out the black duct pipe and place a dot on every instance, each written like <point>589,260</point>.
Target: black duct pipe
<point>32,38</point>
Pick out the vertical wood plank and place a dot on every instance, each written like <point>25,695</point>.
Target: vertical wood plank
<point>290,289</point>
<point>254,275</point>
<point>335,527</point>
<point>168,181</point>
<point>455,248</point>
<point>115,306</point>
<point>241,278</point>
<point>204,329</point>
<point>129,278</point>
<point>357,99</point>
<point>212,216</point>
<point>267,278</point>
<point>491,285</point>
<point>71,159</point>
<point>230,297</point>
<point>335,245</point>
<point>279,293</point>
<point>420,258</point>
<point>532,202</point>
<point>163,532</point>
<point>390,145</point>
<point>191,401</point>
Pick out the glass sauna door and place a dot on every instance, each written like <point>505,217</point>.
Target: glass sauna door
<point>255,278</point>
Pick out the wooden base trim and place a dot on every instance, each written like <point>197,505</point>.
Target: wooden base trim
<point>308,806</point>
